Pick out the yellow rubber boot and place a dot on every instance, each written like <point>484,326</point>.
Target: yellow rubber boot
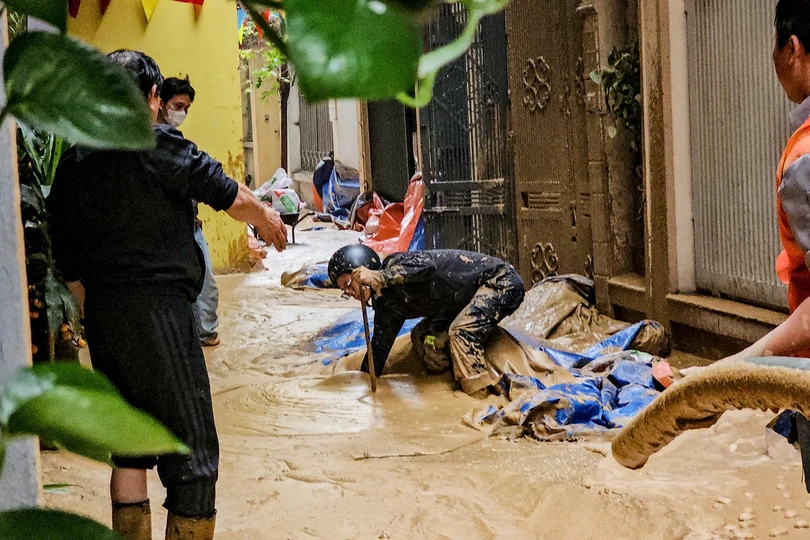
<point>181,528</point>
<point>133,521</point>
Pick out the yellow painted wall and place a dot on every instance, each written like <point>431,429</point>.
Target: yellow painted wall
<point>266,128</point>
<point>206,50</point>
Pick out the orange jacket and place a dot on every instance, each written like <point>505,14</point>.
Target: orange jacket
<point>792,206</point>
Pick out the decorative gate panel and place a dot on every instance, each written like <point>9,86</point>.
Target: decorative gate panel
<point>464,132</point>
<point>546,83</point>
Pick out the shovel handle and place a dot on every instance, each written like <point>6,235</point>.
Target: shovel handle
<point>371,369</point>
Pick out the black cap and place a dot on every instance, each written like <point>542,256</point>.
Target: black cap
<point>348,258</point>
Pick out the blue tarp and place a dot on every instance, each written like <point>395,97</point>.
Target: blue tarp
<point>347,336</point>
<point>593,402</point>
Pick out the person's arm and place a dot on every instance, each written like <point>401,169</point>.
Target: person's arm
<point>789,338</point>
<point>386,329</point>
<point>207,182</point>
<point>400,269</point>
<point>794,194</point>
<point>246,207</point>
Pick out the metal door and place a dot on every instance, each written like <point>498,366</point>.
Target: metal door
<point>546,82</point>
<point>464,134</point>
<point>739,124</point>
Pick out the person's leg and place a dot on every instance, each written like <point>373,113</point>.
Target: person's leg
<point>468,333</point>
<point>205,309</point>
<point>160,368</point>
<point>429,339</point>
<point>132,515</point>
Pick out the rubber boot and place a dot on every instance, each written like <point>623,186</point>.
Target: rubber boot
<point>133,521</point>
<point>182,528</point>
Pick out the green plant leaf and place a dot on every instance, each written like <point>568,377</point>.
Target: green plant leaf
<point>352,48</point>
<point>57,84</point>
<point>57,488</point>
<point>51,525</point>
<point>596,77</point>
<point>53,12</point>
<point>79,410</point>
<point>612,132</point>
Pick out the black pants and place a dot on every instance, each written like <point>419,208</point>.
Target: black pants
<point>469,331</point>
<point>145,341</point>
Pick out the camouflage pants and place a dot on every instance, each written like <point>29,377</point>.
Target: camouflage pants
<point>442,342</point>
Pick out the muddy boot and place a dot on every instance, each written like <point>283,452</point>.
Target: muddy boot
<point>181,528</point>
<point>133,521</point>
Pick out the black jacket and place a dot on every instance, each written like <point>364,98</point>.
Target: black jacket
<point>437,284</point>
<point>126,218</point>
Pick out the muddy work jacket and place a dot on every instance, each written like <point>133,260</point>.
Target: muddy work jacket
<point>793,208</point>
<point>437,284</point>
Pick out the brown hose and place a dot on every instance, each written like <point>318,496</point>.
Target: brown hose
<point>699,400</point>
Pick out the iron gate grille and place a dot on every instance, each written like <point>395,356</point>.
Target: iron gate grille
<point>739,123</point>
<point>316,133</point>
<point>467,160</point>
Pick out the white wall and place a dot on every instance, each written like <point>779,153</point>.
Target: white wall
<point>684,230</point>
<point>345,136</point>
<point>19,483</point>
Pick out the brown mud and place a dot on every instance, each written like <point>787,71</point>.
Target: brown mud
<point>309,452</point>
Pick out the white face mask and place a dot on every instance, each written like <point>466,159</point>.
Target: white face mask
<point>175,118</point>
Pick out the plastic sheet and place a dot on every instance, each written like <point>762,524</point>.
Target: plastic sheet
<point>347,336</point>
<point>400,221</point>
<point>309,276</point>
<point>340,192</point>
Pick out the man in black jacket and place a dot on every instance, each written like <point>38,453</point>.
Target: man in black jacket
<point>462,293</point>
<point>122,225</point>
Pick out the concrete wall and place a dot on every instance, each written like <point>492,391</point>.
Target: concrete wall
<point>19,482</point>
<point>206,50</point>
<point>266,118</point>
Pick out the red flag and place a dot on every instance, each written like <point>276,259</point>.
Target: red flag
<point>195,2</point>
<point>73,7</point>
<point>103,5</point>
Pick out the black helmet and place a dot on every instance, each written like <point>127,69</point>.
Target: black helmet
<point>348,258</point>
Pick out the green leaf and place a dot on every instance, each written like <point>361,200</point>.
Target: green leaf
<point>61,86</point>
<point>612,132</point>
<point>57,488</point>
<point>44,524</point>
<point>53,12</point>
<point>78,409</point>
<point>596,77</point>
<point>352,48</point>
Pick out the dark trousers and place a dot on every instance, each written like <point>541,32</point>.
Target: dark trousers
<point>145,341</point>
<point>468,332</point>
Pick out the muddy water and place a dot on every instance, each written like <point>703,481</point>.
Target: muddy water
<point>310,453</point>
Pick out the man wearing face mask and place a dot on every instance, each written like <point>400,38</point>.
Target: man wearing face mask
<point>176,96</point>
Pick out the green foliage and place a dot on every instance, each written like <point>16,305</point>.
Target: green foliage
<point>79,410</point>
<point>273,61</point>
<point>64,87</point>
<point>54,12</point>
<point>367,49</point>
<point>51,524</point>
<point>621,84</point>
<point>43,151</point>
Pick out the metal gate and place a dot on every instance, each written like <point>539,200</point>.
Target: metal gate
<point>547,84</point>
<point>316,133</point>
<point>739,124</point>
<point>465,151</point>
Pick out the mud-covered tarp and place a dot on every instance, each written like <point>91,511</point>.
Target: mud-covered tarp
<point>309,276</point>
<point>565,369</point>
<point>347,336</point>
